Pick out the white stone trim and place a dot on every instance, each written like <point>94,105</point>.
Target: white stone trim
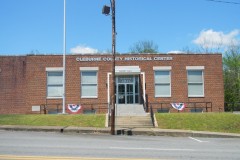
<point>52,69</point>
<point>195,67</point>
<point>88,68</point>
<point>127,70</point>
<point>162,68</point>
<point>36,108</point>
<point>144,87</point>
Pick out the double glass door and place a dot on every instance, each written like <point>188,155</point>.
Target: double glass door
<point>125,93</point>
<point>127,90</point>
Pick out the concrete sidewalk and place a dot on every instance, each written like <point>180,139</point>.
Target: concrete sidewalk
<point>121,131</point>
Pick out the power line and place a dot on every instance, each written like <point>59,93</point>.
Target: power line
<point>229,2</point>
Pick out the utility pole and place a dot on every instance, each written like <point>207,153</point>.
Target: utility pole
<point>106,11</point>
<point>113,69</point>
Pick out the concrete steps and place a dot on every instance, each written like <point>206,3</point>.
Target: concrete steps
<point>133,121</point>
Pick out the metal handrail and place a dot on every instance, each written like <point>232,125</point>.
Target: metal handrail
<point>57,107</point>
<point>189,105</point>
<point>46,107</point>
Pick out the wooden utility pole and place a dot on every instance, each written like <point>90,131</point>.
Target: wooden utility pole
<point>113,93</point>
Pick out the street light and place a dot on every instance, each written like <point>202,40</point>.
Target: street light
<point>106,11</point>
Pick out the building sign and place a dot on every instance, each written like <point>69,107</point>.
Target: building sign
<point>106,59</point>
<point>125,80</point>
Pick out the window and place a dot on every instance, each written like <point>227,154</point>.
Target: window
<point>89,84</point>
<point>54,84</point>
<point>162,83</point>
<point>195,83</point>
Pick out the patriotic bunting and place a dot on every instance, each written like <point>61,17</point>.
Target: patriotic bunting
<point>178,106</point>
<point>74,108</point>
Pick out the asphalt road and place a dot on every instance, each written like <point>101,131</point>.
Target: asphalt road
<point>49,145</point>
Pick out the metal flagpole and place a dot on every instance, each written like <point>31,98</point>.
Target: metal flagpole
<point>64,56</point>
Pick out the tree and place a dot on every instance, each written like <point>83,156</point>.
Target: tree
<point>231,68</point>
<point>144,47</point>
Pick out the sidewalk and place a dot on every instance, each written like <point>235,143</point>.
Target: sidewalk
<point>121,131</point>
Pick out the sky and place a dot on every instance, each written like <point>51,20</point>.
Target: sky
<point>36,26</point>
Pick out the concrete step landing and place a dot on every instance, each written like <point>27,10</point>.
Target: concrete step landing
<point>130,110</point>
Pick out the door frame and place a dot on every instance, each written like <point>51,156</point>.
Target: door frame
<point>109,85</point>
<point>126,93</point>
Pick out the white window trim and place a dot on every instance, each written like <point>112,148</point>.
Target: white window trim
<point>196,68</point>
<point>163,68</point>
<point>89,69</point>
<point>54,97</point>
<point>53,69</point>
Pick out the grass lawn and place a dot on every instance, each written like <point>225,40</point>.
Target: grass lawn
<point>54,120</point>
<point>214,122</point>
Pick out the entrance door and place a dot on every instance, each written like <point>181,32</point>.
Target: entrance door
<point>125,94</point>
<point>127,90</point>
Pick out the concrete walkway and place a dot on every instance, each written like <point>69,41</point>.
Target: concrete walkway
<point>119,131</point>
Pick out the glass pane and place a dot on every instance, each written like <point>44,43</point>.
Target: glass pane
<point>162,90</point>
<point>195,76</point>
<point>55,91</point>
<point>195,89</point>
<point>136,86</point>
<point>136,98</point>
<point>89,90</point>
<point>121,88</point>
<point>121,93</point>
<point>129,88</point>
<point>129,99</point>
<point>55,78</point>
<point>162,77</point>
<point>89,78</point>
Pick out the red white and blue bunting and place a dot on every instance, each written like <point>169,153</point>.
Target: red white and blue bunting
<point>74,108</point>
<point>178,106</point>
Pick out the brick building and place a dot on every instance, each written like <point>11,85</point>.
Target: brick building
<point>27,82</point>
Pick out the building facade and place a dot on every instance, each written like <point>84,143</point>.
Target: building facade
<point>28,82</point>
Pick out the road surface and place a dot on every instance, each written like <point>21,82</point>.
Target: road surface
<point>50,145</point>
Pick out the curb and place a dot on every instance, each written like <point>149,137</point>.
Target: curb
<point>184,133</point>
<point>121,131</point>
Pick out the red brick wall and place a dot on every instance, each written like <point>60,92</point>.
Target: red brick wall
<point>23,79</point>
<point>12,84</point>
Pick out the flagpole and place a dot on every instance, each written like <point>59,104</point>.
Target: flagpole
<point>64,56</point>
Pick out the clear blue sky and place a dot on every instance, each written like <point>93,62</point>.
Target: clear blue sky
<point>37,25</point>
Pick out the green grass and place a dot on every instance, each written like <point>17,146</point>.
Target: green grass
<point>54,120</point>
<point>214,122</point>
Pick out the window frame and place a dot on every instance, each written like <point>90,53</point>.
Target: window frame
<point>202,83</point>
<point>53,70</point>
<point>88,70</point>
<point>163,69</point>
